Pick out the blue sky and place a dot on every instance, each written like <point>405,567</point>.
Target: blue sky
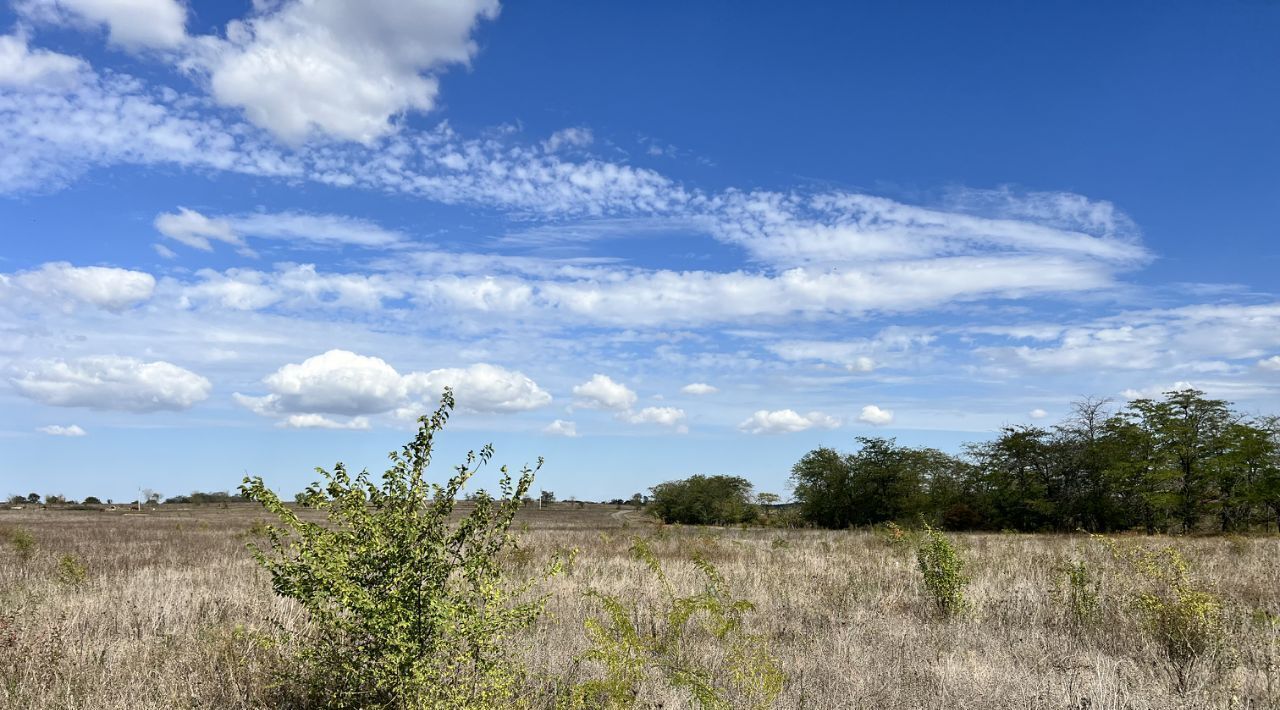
<point>643,240</point>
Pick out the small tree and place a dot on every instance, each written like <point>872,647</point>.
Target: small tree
<point>409,611</point>
<point>33,498</point>
<point>704,500</point>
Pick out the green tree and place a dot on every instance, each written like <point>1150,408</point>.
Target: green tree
<point>703,500</point>
<point>881,481</point>
<point>1189,433</point>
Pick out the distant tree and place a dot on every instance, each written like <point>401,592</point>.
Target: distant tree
<point>33,498</point>
<point>766,501</point>
<point>546,497</point>
<point>17,500</point>
<point>638,500</point>
<point>1188,432</point>
<point>703,500</point>
<point>881,481</point>
<point>92,500</point>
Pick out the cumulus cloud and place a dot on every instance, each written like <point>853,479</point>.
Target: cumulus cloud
<point>601,392</point>
<point>699,388</point>
<point>111,382</point>
<point>338,67</point>
<point>59,430</point>
<point>786,421</point>
<point>875,416</point>
<point>336,382</point>
<point>481,388</point>
<point>108,288</point>
<point>1271,363</point>
<point>344,383</point>
<point>133,24</point>
<point>1038,413</point>
<point>561,427</point>
<point>22,66</point>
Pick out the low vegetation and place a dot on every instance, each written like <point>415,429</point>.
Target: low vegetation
<point>402,593</point>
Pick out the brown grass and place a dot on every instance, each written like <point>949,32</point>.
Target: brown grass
<point>174,614</point>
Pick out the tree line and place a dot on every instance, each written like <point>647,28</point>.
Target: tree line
<point>1179,463</point>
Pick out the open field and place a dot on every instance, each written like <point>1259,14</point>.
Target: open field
<point>172,613</point>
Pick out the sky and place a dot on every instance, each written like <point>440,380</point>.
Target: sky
<point>641,240</point>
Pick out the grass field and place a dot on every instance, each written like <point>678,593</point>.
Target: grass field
<point>171,612</point>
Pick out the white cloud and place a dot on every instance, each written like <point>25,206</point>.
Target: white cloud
<point>133,24</point>
<point>294,286</point>
<point>196,230</point>
<point>1190,339</point>
<point>300,229</point>
<point>342,68</point>
<point>1271,363</point>
<point>319,421</point>
<point>1157,391</point>
<point>164,252</point>
<point>568,138</point>
<point>1038,413</point>
<point>827,228</point>
<point>111,383</point>
<point>601,392</point>
<point>336,382</point>
<point>875,416</point>
<point>481,388</point>
<point>22,66</point>
<point>662,416</point>
<point>59,430</point>
<point>344,383</point>
<point>699,388</point>
<point>108,288</point>
<point>561,427</point>
<point>786,421</point>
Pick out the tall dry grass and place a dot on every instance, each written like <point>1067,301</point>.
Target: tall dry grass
<point>173,613</point>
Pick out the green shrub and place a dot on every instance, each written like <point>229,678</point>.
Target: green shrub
<point>943,571</point>
<point>71,571</point>
<point>1187,622</point>
<point>23,542</point>
<point>630,652</point>
<point>1080,591</point>
<point>407,609</point>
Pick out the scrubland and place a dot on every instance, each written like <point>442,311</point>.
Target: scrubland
<point>167,609</point>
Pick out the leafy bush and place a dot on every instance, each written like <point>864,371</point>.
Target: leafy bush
<point>943,571</point>
<point>71,571</point>
<point>631,652</point>
<point>23,542</point>
<point>704,500</point>
<point>1187,622</point>
<point>408,610</point>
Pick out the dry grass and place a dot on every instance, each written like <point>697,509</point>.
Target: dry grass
<point>174,614</point>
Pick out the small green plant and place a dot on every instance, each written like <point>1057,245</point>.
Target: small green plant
<point>1081,591</point>
<point>409,610</point>
<point>630,652</point>
<point>23,542</point>
<point>943,571</point>
<point>1187,622</point>
<point>71,571</point>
